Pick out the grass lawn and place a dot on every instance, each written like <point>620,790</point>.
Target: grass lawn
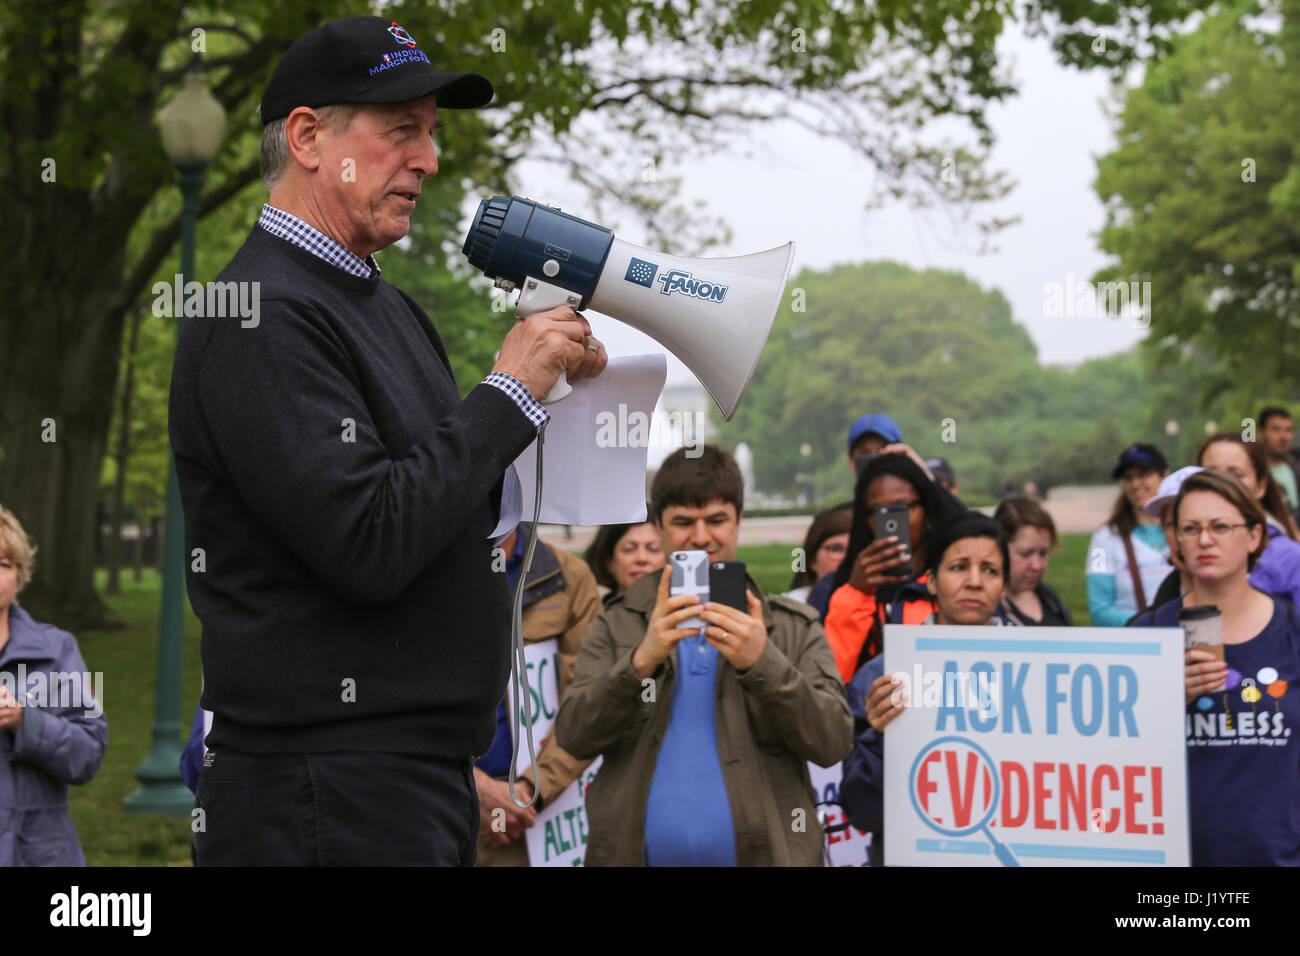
<point>128,660</point>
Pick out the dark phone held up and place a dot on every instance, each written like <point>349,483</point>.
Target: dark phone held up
<point>893,521</point>
<point>727,584</point>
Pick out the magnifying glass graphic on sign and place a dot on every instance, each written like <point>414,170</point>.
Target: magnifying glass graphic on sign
<point>955,789</point>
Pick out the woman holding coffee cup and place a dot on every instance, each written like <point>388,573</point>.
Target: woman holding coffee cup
<point>1243,701</point>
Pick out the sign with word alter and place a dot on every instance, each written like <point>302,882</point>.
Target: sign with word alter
<point>542,664</point>
<point>845,845</point>
<point>1043,746</point>
<point>558,837</point>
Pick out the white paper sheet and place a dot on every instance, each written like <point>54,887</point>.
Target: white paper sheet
<point>596,445</point>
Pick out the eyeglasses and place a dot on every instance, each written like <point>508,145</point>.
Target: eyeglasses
<point>1191,531</point>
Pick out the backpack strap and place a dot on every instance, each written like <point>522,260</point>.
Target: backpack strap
<point>1138,591</point>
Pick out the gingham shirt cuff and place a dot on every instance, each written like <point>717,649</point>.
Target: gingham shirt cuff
<point>530,406</point>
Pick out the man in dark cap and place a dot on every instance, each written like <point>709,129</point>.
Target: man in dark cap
<point>343,496</point>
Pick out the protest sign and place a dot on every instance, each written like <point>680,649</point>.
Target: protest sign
<point>843,847</point>
<point>542,660</point>
<point>558,837</point>
<point>1036,747</point>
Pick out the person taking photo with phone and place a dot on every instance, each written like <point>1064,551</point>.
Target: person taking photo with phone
<point>882,567</point>
<point>706,735</point>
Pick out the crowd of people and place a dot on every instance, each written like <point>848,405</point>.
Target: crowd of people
<point>738,708</point>
<point>360,516</point>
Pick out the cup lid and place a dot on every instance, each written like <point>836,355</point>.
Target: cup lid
<point>1199,612</point>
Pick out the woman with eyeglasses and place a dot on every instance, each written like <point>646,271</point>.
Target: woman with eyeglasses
<point>823,549</point>
<point>876,574</point>
<point>1128,557</point>
<point>1243,759</point>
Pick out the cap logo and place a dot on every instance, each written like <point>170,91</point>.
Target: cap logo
<point>399,57</point>
<point>401,36</point>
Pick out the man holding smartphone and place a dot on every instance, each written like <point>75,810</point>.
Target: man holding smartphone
<point>706,734</point>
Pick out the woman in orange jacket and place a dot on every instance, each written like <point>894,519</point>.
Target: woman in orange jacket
<point>873,572</point>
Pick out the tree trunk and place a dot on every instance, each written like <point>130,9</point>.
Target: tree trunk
<point>59,342</point>
<point>122,457</point>
<point>137,557</point>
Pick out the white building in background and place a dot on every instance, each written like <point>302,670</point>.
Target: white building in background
<point>745,461</point>
<point>681,420</point>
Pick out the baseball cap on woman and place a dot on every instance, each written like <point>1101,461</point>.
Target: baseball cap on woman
<point>364,60</point>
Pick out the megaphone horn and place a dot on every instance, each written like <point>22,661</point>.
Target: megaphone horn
<point>713,314</point>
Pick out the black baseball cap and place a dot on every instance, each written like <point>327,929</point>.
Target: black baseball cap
<point>1143,456</point>
<point>364,60</point>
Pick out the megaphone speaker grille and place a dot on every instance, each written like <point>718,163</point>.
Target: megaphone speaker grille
<point>484,231</point>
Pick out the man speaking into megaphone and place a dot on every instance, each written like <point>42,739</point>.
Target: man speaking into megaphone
<point>342,494</point>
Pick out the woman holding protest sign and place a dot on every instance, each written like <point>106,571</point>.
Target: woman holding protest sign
<point>875,569</point>
<point>966,573</point>
<point>1242,698</point>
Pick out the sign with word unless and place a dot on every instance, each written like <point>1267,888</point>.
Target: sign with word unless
<point>1036,746</point>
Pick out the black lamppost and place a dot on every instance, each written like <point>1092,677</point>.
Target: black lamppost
<point>192,127</point>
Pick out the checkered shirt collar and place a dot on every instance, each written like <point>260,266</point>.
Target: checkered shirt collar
<point>293,230</point>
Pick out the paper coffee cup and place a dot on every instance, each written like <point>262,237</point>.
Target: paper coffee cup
<point>1202,626</point>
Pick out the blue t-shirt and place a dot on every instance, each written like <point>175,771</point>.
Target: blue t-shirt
<point>1243,759</point>
<point>688,816</point>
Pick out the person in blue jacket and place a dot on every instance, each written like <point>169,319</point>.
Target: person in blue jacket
<point>1243,759</point>
<point>966,574</point>
<point>53,727</point>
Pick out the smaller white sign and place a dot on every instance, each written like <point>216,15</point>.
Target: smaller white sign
<point>558,837</point>
<point>846,847</point>
<point>542,661</point>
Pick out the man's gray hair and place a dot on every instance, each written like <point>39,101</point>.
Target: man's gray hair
<point>275,143</point>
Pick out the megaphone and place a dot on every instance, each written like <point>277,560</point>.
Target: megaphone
<point>713,314</point>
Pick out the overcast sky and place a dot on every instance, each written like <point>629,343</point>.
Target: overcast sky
<point>782,186</point>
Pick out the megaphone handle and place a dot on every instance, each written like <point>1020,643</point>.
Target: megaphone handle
<point>536,296</point>
<point>561,389</point>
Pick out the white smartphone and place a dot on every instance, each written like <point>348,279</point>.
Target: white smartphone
<point>690,576</point>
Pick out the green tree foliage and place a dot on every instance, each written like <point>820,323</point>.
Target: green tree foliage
<point>1203,198</point>
<point>945,359</point>
<point>82,170</point>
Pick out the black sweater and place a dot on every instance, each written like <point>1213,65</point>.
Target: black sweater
<point>348,600</point>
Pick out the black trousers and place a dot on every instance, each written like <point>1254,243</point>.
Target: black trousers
<point>335,809</point>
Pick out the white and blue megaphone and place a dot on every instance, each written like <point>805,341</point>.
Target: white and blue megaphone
<point>713,314</point>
